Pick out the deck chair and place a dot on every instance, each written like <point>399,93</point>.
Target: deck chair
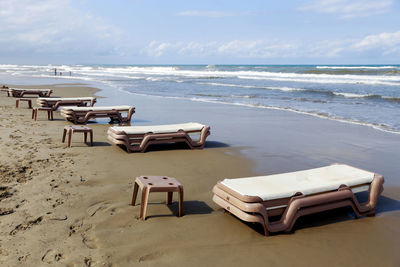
<point>56,102</point>
<point>138,138</point>
<point>20,92</point>
<point>277,201</point>
<point>84,114</point>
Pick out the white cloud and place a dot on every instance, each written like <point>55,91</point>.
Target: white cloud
<point>383,44</point>
<point>387,42</point>
<point>234,48</point>
<point>208,13</point>
<point>48,26</point>
<point>349,8</point>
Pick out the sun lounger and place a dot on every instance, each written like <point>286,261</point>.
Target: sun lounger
<point>138,138</point>
<point>56,102</point>
<point>277,201</point>
<point>20,92</point>
<point>84,114</point>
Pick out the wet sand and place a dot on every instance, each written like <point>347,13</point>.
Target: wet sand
<point>70,206</point>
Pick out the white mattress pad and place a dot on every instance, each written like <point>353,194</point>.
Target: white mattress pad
<point>307,182</point>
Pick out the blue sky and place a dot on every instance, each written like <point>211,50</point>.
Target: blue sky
<point>199,32</point>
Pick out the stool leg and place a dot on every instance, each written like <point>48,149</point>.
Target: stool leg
<point>169,198</point>
<point>135,191</point>
<point>70,138</point>
<point>85,137</point>
<point>145,200</point>
<point>64,134</point>
<point>33,113</point>
<point>91,138</point>
<point>180,201</point>
<point>36,111</point>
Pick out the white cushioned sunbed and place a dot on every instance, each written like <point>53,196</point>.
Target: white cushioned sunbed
<point>64,98</point>
<point>307,182</point>
<point>83,114</point>
<point>138,138</point>
<point>122,108</point>
<point>276,201</point>
<point>170,128</point>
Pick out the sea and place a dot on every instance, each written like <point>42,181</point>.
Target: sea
<point>360,94</point>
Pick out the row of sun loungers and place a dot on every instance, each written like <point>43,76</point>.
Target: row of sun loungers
<point>20,92</point>
<point>273,201</point>
<point>138,138</point>
<point>56,102</point>
<point>81,115</point>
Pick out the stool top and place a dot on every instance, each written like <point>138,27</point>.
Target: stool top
<point>158,181</point>
<point>77,127</point>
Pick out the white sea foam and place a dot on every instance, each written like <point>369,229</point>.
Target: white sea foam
<point>351,95</point>
<point>358,67</point>
<point>287,89</point>
<point>390,80</point>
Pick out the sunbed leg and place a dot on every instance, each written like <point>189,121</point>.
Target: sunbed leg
<point>64,134</point>
<point>266,232</point>
<point>85,137</point>
<point>135,191</point>
<point>169,198</point>
<point>70,132</point>
<point>180,213</point>
<point>91,138</point>
<point>33,113</point>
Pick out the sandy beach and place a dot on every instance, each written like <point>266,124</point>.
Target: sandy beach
<point>64,206</point>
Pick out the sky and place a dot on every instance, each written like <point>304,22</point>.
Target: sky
<point>199,32</point>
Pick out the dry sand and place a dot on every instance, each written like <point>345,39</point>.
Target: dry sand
<point>70,207</point>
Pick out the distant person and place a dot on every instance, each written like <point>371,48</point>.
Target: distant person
<point>70,73</point>
<point>60,73</point>
<point>55,71</point>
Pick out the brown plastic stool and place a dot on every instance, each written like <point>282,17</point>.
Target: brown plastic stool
<point>156,184</point>
<point>23,99</point>
<point>48,109</point>
<point>77,129</point>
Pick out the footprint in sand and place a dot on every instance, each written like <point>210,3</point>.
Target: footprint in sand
<point>52,256</point>
<point>96,207</point>
<point>25,226</point>
<point>5,192</point>
<point>89,262</point>
<point>6,211</point>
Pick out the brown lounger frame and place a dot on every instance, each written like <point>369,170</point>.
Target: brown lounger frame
<point>254,209</point>
<point>59,103</point>
<point>82,117</point>
<point>21,92</point>
<point>140,142</point>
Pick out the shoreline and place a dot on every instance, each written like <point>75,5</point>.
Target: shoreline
<point>87,190</point>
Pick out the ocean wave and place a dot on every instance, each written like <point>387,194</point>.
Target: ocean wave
<point>323,115</point>
<point>358,67</point>
<point>287,89</point>
<point>211,73</point>
<point>304,90</point>
<point>226,96</point>
<point>326,78</point>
